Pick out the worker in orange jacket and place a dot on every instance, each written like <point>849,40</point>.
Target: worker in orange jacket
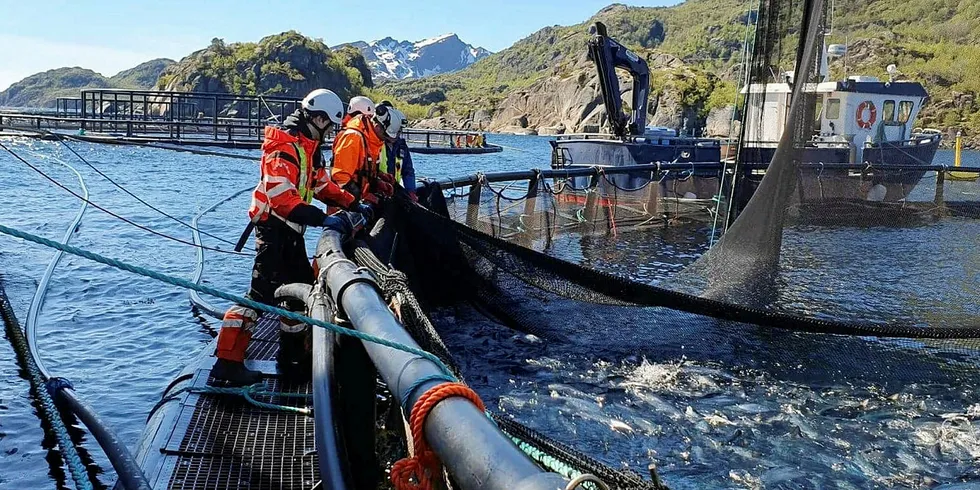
<point>356,151</point>
<point>292,174</point>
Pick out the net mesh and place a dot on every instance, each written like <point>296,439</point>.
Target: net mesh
<point>826,275</point>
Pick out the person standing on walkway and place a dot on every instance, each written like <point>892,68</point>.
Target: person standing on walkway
<point>292,174</point>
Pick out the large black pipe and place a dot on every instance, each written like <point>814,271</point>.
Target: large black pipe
<point>471,447</point>
<point>129,472</point>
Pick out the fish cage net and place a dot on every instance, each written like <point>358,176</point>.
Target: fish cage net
<point>540,211</point>
<point>824,275</point>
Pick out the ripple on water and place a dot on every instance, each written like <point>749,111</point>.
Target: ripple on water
<point>630,395</point>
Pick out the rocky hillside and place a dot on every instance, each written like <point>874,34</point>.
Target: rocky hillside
<point>394,60</point>
<point>936,42</point>
<point>287,64</point>
<point>41,90</point>
<point>143,75</point>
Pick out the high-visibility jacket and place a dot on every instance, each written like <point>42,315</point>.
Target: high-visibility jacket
<point>355,155</point>
<point>292,174</point>
<point>396,159</point>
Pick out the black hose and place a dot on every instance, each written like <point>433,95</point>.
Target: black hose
<point>130,474</point>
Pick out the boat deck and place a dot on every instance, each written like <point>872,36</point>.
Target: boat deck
<point>217,441</point>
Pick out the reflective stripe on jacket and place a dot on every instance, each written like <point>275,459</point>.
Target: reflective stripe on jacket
<point>403,170</point>
<point>290,177</point>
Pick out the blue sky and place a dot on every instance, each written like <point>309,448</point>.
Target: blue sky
<point>112,35</point>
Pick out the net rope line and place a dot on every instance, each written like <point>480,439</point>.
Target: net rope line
<point>37,301</point>
<point>196,298</point>
<point>134,196</point>
<point>62,140</point>
<point>185,284</point>
<point>114,215</point>
<point>547,453</point>
<point>631,293</point>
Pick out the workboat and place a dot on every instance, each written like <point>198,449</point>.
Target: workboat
<point>862,123</point>
<point>630,141</point>
<point>860,120</point>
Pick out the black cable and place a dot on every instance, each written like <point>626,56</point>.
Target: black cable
<point>110,213</point>
<point>64,143</point>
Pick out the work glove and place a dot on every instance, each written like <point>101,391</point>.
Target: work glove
<point>338,223</point>
<point>365,210</point>
<point>370,199</point>
<point>383,188</point>
<point>386,177</point>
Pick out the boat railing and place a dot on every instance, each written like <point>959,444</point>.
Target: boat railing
<point>662,140</point>
<point>596,170</point>
<point>444,138</point>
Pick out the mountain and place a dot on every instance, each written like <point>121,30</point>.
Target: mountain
<point>141,76</point>
<point>395,60</point>
<point>43,89</point>
<point>287,64</point>
<point>936,42</point>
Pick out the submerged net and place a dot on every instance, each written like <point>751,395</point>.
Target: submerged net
<point>837,311</point>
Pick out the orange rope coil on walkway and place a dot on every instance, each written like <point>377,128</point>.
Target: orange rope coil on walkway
<point>425,464</point>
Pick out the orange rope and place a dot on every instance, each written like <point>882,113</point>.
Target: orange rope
<point>424,464</point>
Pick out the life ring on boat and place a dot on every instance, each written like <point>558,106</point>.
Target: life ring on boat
<point>865,123</point>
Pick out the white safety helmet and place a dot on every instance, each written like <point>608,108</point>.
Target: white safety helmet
<point>326,103</point>
<point>395,122</point>
<point>361,104</point>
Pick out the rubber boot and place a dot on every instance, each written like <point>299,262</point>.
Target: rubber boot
<point>234,373</point>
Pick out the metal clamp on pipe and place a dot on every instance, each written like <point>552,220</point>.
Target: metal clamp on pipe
<point>474,451</point>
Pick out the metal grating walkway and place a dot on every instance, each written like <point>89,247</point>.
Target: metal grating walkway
<point>223,442</point>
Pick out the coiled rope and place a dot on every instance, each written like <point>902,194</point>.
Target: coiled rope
<point>249,393</point>
<point>417,471</point>
<point>43,387</point>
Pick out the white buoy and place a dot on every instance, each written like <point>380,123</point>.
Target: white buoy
<point>877,193</point>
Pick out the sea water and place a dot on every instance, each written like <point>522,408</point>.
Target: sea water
<point>121,339</point>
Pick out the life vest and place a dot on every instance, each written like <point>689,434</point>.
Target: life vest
<point>286,171</point>
<point>383,160</point>
<point>363,166</point>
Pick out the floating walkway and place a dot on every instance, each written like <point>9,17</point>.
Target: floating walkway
<point>207,119</point>
<point>196,440</point>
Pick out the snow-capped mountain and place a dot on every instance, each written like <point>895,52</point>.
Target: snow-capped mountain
<point>391,59</point>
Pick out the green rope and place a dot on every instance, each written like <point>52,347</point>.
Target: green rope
<point>183,283</point>
<point>548,461</point>
<point>46,405</point>
<point>250,392</point>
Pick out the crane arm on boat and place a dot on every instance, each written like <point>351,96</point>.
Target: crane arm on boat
<point>607,54</point>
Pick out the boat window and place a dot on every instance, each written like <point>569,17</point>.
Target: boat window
<point>905,111</point>
<point>888,112</point>
<point>833,108</point>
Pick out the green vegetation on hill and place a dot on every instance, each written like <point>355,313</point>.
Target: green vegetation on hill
<point>287,64</point>
<point>141,76</point>
<point>690,30</point>
<point>936,42</point>
<point>42,90</point>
